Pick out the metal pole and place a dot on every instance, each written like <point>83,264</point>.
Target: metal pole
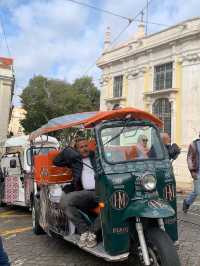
<point>147,15</point>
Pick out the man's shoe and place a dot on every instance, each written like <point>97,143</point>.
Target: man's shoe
<point>91,240</point>
<point>83,239</point>
<point>185,206</point>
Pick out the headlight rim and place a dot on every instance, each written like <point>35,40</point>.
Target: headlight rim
<point>144,185</point>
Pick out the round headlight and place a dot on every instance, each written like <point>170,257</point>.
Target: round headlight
<point>148,182</point>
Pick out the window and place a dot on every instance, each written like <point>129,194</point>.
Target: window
<point>163,76</point>
<point>117,86</point>
<point>162,109</point>
<point>138,142</point>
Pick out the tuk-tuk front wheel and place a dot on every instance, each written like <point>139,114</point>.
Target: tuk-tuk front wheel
<point>162,251</point>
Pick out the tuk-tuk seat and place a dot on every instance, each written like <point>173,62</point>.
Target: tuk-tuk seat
<point>118,153</point>
<point>131,153</point>
<point>47,173</point>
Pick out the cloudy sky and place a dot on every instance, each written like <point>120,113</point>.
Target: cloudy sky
<point>60,39</point>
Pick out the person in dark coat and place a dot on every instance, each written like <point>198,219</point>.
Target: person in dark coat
<point>82,163</point>
<point>3,256</point>
<point>172,149</point>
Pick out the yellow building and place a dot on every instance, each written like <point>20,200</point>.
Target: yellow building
<point>158,73</point>
<point>15,127</point>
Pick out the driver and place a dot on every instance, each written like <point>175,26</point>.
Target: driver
<point>82,163</point>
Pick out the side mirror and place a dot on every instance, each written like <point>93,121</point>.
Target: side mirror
<point>13,163</point>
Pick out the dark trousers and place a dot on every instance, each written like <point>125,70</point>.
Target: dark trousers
<point>3,256</point>
<point>75,201</point>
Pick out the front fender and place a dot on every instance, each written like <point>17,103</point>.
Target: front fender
<point>148,209</point>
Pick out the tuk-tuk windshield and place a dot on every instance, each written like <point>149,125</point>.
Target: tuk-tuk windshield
<point>131,143</point>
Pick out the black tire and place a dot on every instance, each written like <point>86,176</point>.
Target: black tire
<point>162,251</point>
<point>37,229</point>
<point>2,204</point>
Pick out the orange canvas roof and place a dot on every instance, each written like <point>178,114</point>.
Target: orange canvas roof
<point>89,119</point>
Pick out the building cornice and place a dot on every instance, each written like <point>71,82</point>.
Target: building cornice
<point>145,45</point>
<point>112,99</point>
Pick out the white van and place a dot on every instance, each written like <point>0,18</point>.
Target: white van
<point>16,184</point>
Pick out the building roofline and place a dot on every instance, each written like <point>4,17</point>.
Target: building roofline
<point>109,52</point>
<point>126,43</point>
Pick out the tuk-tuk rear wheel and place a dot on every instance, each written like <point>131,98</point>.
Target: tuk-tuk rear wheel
<point>162,251</point>
<point>37,229</point>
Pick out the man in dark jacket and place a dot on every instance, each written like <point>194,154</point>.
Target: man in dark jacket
<point>3,256</point>
<point>82,163</point>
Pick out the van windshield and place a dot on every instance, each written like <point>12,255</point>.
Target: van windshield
<point>131,143</point>
<point>38,150</point>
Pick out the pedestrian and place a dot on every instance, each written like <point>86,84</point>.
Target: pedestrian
<point>193,157</point>
<point>172,149</point>
<point>3,256</point>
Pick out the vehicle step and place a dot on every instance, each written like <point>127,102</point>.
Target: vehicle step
<point>98,251</point>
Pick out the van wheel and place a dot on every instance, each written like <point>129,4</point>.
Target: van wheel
<point>37,229</point>
<point>1,195</point>
<point>162,251</point>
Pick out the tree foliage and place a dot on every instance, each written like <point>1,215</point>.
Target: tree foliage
<point>44,99</point>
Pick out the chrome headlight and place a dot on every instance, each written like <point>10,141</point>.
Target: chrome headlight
<point>148,181</point>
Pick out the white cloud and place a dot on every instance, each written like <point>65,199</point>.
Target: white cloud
<point>57,38</point>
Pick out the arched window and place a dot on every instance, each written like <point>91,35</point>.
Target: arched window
<point>162,109</point>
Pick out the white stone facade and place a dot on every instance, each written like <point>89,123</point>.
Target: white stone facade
<point>6,93</point>
<point>136,60</point>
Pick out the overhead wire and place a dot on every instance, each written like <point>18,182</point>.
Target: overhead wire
<point>129,19</point>
<point>119,34</point>
<point>100,9</point>
<point>4,35</point>
<point>6,42</point>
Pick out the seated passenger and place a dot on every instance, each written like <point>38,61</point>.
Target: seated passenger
<point>82,163</point>
<point>142,149</point>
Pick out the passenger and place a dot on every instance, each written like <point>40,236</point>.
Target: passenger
<point>82,163</point>
<point>172,149</point>
<point>142,149</point>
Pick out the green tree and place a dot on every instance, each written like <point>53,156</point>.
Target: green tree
<point>88,91</point>
<point>44,99</point>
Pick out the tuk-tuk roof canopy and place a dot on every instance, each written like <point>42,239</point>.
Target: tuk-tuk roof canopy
<point>89,119</point>
<point>23,141</point>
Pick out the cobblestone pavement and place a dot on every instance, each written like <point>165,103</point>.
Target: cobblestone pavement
<point>24,248</point>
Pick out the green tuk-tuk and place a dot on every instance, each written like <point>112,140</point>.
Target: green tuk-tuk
<point>135,185</point>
